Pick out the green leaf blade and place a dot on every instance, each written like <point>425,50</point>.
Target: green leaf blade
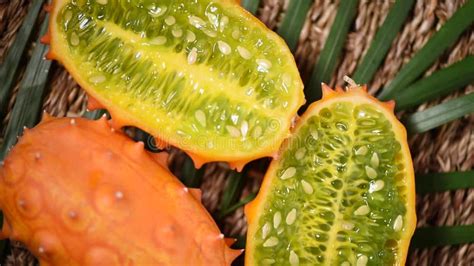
<point>329,56</point>
<point>436,45</point>
<point>426,237</point>
<point>29,101</point>
<point>94,115</point>
<point>190,176</point>
<point>440,83</point>
<point>439,182</point>
<point>438,115</point>
<point>237,205</point>
<point>251,5</point>
<point>382,42</point>
<point>9,68</point>
<point>293,22</point>
<point>231,193</point>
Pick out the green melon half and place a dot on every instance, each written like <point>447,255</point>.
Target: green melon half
<point>202,75</point>
<point>340,193</point>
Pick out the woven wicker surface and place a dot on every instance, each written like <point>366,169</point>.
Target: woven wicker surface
<point>448,148</point>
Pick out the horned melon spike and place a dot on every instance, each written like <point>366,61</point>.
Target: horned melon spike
<point>341,191</point>
<point>140,214</point>
<point>231,83</point>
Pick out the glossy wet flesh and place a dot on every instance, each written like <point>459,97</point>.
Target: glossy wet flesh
<point>192,61</point>
<point>338,196</point>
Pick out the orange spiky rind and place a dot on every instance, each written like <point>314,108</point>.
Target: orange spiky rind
<point>5,233</point>
<point>138,210</point>
<point>50,55</point>
<point>355,94</point>
<point>46,117</point>
<point>161,144</point>
<point>196,193</point>
<point>390,105</point>
<point>48,8</point>
<point>46,39</point>
<point>232,254</point>
<point>172,139</point>
<point>238,166</point>
<point>161,158</point>
<point>199,161</point>
<point>93,104</point>
<point>358,91</point>
<point>230,241</point>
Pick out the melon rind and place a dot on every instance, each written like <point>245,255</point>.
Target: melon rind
<point>327,200</point>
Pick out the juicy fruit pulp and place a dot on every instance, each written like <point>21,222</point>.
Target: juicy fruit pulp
<point>341,192</point>
<point>76,192</point>
<point>202,75</point>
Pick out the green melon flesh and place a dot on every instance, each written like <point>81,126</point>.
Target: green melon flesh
<point>203,73</point>
<point>337,197</point>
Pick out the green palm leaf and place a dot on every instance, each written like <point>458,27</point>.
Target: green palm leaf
<point>382,42</point>
<point>439,84</point>
<point>425,237</point>
<point>10,67</point>
<point>439,182</point>
<point>440,114</point>
<point>231,193</point>
<point>251,5</point>
<point>29,100</point>
<point>190,176</point>
<point>94,115</point>
<point>436,45</point>
<point>293,22</point>
<point>28,103</point>
<point>329,56</point>
<point>237,205</point>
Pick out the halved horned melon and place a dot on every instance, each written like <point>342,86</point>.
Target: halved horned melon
<point>342,190</point>
<point>202,75</point>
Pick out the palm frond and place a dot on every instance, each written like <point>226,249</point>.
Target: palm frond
<point>329,56</point>
<point>436,45</point>
<point>237,205</point>
<point>9,68</point>
<point>94,115</point>
<point>231,193</point>
<point>382,42</point>
<point>425,237</point>
<point>440,114</point>
<point>251,5</point>
<point>440,83</point>
<point>27,108</point>
<point>293,22</point>
<point>439,182</point>
<point>190,176</point>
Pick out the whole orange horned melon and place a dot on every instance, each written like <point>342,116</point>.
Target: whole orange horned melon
<point>232,84</point>
<point>76,192</point>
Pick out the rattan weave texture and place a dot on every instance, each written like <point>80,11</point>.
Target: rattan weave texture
<point>448,148</point>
